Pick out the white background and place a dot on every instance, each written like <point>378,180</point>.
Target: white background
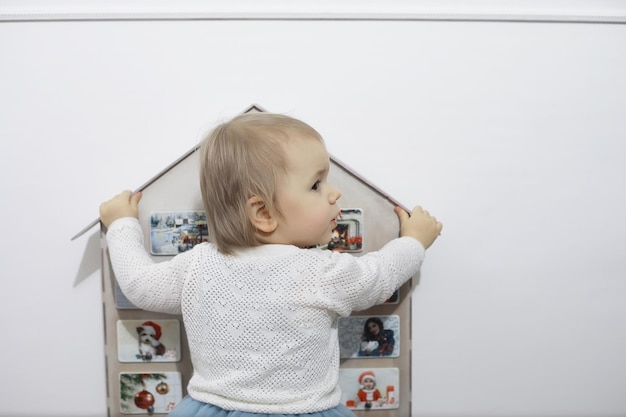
<point>512,133</point>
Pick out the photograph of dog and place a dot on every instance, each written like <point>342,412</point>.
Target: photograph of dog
<point>148,340</point>
<point>148,335</point>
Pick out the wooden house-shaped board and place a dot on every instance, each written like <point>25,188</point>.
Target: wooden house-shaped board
<point>143,380</point>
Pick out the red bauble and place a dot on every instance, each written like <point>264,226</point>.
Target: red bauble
<point>144,399</point>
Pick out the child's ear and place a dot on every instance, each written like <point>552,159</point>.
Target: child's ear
<point>260,216</point>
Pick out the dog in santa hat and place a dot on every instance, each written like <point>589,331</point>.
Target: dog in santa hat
<point>149,334</point>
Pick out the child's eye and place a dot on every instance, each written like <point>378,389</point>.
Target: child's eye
<point>316,186</point>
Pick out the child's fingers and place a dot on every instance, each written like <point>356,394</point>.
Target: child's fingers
<point>123,204</point>
<point>125,195</point>
<point>401,213</point>
<point>122,196</point>
<point>135,199</point>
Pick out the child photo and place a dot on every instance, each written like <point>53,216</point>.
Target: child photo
<point>370,388</point>
<point>348,235</point>
<point>369,336</point>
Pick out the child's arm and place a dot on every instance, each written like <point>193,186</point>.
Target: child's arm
<point>122,205</point>
<point>419,225</point>
<point>357,283</point>
<point>148,285</point>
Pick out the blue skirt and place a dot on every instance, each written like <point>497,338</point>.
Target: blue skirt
<point>189,407</point>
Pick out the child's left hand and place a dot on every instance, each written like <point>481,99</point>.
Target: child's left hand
<point>122,205</point>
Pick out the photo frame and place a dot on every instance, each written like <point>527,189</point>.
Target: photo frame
<point>174,232</point>
<point>149,393</point>
<point>121,302</point>
<point>348,234</point>
<point>369,336</point>
<point>153,340</point>
<point>394,299</point>
<point>370,388</point>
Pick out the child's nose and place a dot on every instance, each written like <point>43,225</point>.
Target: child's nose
<point>334,195</point>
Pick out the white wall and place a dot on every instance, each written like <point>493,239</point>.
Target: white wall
<point>513,134</point>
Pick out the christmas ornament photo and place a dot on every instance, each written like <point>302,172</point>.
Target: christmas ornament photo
<point>149,393</point>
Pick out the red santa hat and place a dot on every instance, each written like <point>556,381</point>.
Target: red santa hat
<point>367,374</point>
<point>152,328</point>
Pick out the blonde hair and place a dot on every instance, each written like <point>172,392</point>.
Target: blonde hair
<point>240,159</point>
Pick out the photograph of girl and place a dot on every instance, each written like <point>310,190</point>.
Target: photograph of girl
<point>368,337</point>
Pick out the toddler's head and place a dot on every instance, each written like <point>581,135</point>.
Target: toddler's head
<point>242,158</point>
<point>367,380</point>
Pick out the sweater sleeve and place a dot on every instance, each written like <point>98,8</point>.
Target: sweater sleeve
<point>148,285</point>
<point>357,283</point>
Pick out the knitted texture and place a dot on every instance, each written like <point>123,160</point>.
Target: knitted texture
<point>261,324</point>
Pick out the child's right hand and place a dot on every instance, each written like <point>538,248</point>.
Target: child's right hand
<point>419,225</point>
<point>122,205</point>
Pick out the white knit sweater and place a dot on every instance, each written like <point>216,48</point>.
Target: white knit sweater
<point>262,324</point>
